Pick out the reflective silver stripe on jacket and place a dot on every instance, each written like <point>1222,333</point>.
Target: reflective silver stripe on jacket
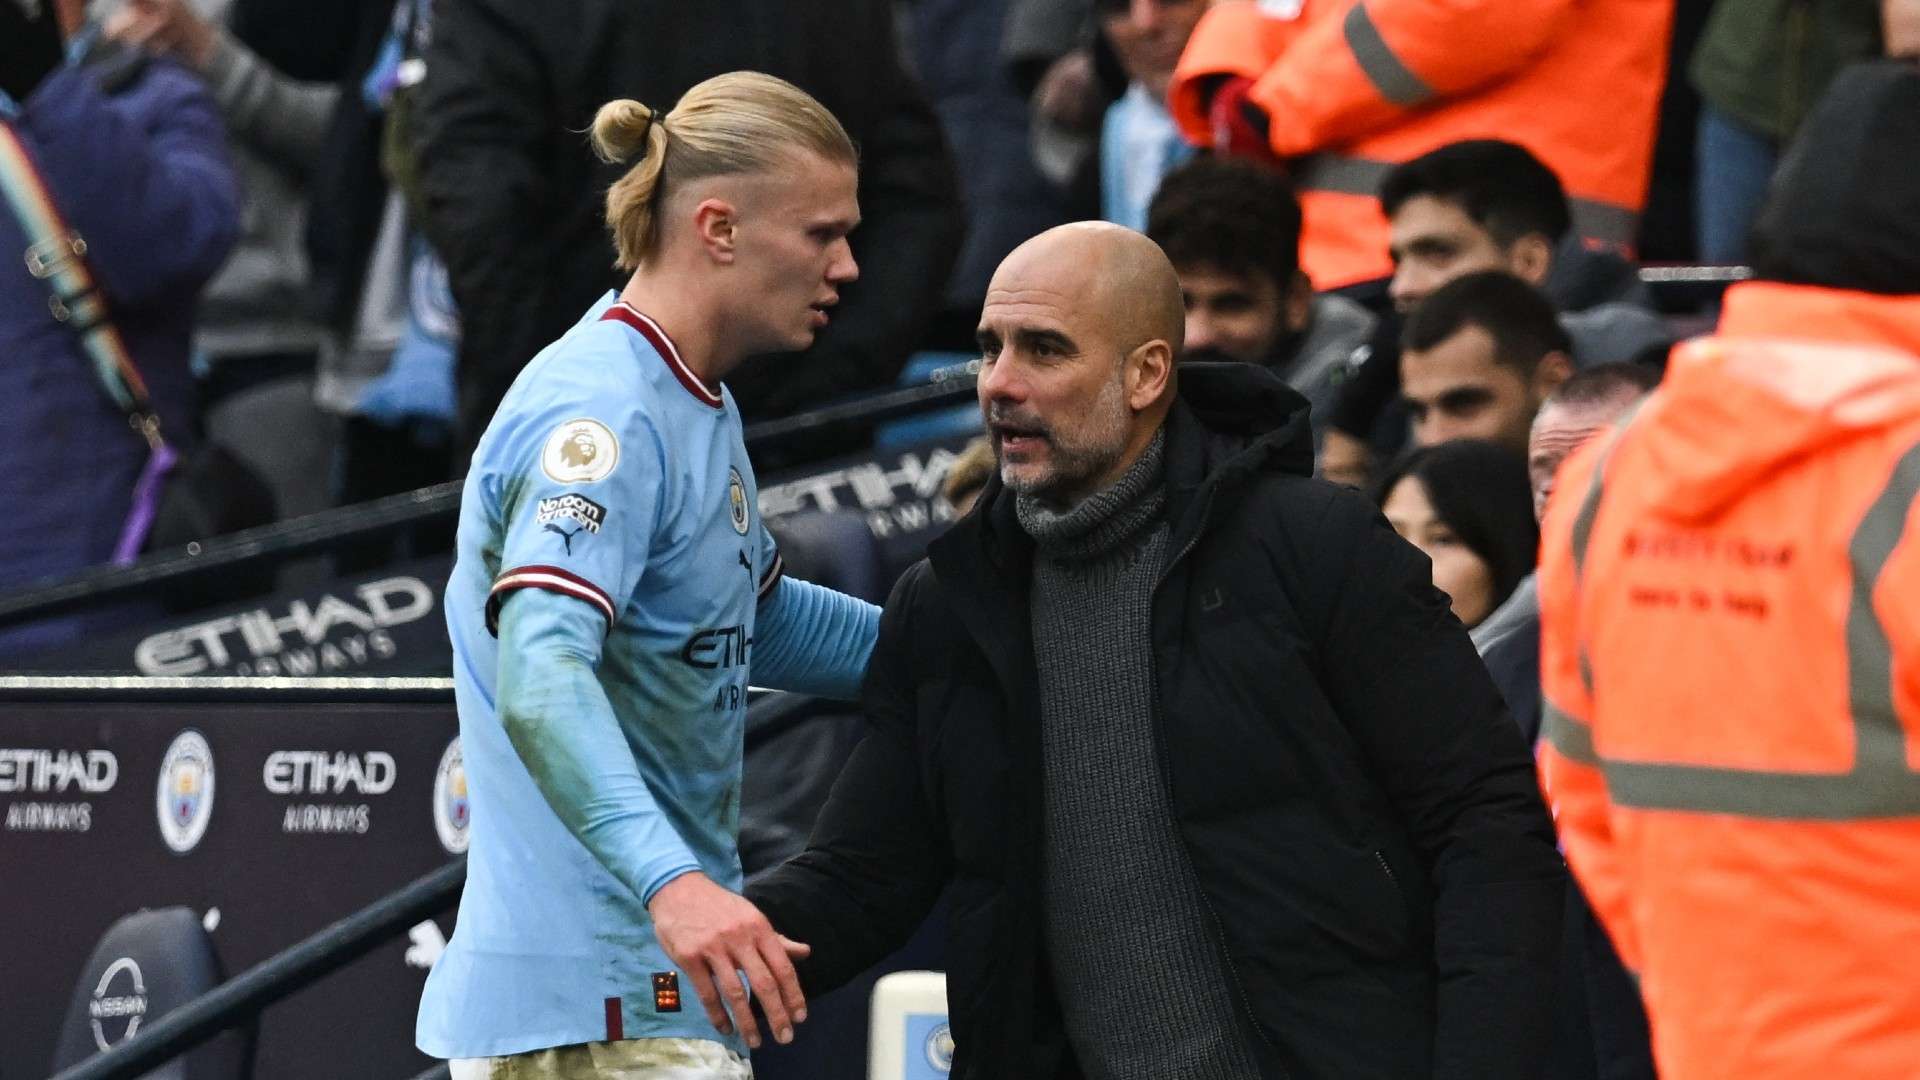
<point>1395,81</point>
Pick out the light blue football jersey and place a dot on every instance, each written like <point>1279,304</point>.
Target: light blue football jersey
<point>611,475</point>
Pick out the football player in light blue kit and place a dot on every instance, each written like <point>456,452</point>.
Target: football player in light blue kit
<point>614,591</point>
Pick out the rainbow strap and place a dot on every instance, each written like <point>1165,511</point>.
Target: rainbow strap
<point>57,255</point>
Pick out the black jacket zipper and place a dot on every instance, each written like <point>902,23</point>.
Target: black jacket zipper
<point>1392,878</point>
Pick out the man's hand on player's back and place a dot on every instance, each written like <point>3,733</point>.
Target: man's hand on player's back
<point>712,935</point>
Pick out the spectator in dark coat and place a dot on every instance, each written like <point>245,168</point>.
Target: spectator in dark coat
<point>1213,783</point>
<point>513,194</point>
<point>134,159</point>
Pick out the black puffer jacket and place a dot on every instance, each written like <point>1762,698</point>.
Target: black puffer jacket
<point>514,197</point>
<point>1361,814</point>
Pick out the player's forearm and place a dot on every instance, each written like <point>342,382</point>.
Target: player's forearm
<point>562,726</point>
<point>813,640</point>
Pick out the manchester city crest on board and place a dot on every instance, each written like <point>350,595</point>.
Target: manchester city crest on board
<point>184,798</point>
<point>580,451</point>
<point>737,501</point>
<point>452,812</point>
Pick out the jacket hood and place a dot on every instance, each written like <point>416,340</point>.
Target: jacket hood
<point>1843,211</point>
<point>1792,370</point>
<point>1250,417</point>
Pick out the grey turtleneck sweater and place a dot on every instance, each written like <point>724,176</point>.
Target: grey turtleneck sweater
<point>1142,982</point>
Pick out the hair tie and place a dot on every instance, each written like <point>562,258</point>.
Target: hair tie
<point>645,129</point>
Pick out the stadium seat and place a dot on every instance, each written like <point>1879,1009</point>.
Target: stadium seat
<point>146,965</point>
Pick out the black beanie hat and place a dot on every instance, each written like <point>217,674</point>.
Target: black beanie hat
<point>1843,211</point>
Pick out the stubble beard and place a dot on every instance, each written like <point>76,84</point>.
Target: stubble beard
<point>1076,461</point>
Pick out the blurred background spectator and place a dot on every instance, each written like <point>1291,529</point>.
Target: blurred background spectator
<point>1586,405</point>
<point>121,195</point>
<point>1479,357</point>
<point>1138,143</point>
<point>257,341</point>
<point>1482,204</point>
<point>1759,68</point>
<point>512,194</point>
<point>1464,503</point>
<point>1051,51</point>
<point>1232,231</point>
<point>1342,90</point>
<point>391,380</point>
<point>955,47</point>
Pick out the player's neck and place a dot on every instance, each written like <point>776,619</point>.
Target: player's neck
<point>692,321</point>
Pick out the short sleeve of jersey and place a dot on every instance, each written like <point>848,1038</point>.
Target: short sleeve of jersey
<point>581,499</point>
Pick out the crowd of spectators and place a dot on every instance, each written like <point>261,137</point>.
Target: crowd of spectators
<point>321,240</point>
<point>332,235</point>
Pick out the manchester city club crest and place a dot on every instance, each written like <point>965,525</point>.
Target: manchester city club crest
<point>737,501</point>
<point>580,451</point>
<point>939,1048</point>
<point>452,813</point>
<point>184,798</point>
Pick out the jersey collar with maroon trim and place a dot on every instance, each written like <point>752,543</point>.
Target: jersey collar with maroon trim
<point>624,312</point>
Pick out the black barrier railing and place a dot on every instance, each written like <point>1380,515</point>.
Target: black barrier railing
<point>228,689</point>
<point>238,1000</point>
<point>275,543</point>
<point>427,506</point>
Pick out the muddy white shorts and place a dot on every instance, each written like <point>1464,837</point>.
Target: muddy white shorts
<point>629,1059</point>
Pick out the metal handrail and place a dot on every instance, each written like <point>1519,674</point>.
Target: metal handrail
<point>227,689</point>
<point>287,972</point>
<point>314,532</point>
<point>429,505</point>
<point>1694,274</point>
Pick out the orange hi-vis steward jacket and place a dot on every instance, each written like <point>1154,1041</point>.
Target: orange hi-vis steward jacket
<point>1354,87</point>
<point>1730,660</point>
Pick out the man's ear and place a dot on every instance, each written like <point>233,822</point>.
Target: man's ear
<point>714,222</point>
<point>1553,369</point>
<point>1531,259</point>
<point>1149,374</point>
<point>1297,302</point>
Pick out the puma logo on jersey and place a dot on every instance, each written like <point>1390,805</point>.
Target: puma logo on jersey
<point>565,536</point>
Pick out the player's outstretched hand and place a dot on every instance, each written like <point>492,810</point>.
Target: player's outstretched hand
<point>715,935</point>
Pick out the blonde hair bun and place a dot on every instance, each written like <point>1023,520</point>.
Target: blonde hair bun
<point>620,130</point>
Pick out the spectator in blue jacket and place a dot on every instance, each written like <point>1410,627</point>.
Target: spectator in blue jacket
<point>131,153</point>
